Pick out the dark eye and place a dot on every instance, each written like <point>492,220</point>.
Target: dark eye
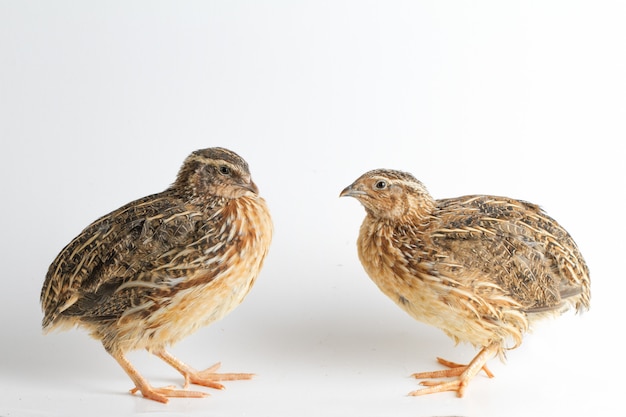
<point>224,170</point>
<point>381,185</point>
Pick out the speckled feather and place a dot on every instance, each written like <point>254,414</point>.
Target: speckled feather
<point>153,271</point>
<point>479,267</point>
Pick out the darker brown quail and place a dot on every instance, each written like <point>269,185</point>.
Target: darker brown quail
<point>155,270</point>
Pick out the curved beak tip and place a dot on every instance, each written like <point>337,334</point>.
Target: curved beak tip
<point>251,186</point>
<point>350,191</point>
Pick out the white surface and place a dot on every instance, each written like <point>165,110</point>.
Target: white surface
<point>101,101</point>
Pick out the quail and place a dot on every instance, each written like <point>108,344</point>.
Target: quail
<point>481,268</point>
<point>155,270</point>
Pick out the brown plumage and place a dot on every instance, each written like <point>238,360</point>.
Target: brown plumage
<point>479,267</point>
<point>155,270</point>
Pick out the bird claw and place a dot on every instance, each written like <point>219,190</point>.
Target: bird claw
<point>463,374</point>
<point>456,369</point>
<point>457,385</point>
<point>209,377</point>
<point>162,394</point>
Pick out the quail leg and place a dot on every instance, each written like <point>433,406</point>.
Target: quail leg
<point>465,373</point>
<point>207,378</point>
<point>148,391</point>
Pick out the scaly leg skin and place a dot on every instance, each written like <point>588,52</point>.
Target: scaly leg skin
<point>207,378</point>
<point>148,391</point>
<point>465,373</point>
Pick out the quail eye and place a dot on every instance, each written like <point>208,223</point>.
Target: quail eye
<point>381,185</point>
<point>224,170</point>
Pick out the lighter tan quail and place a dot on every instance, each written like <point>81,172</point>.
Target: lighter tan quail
<point>479,267</point>
<point>155,270</point>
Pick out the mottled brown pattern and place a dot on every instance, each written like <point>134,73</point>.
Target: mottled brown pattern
<point>479,267</point>
<point>155,270</point>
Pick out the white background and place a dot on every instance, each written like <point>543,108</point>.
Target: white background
<point>100,102</point>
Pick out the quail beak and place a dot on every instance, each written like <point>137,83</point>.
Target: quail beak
<point>250,186</point>
<point>352,191</point>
